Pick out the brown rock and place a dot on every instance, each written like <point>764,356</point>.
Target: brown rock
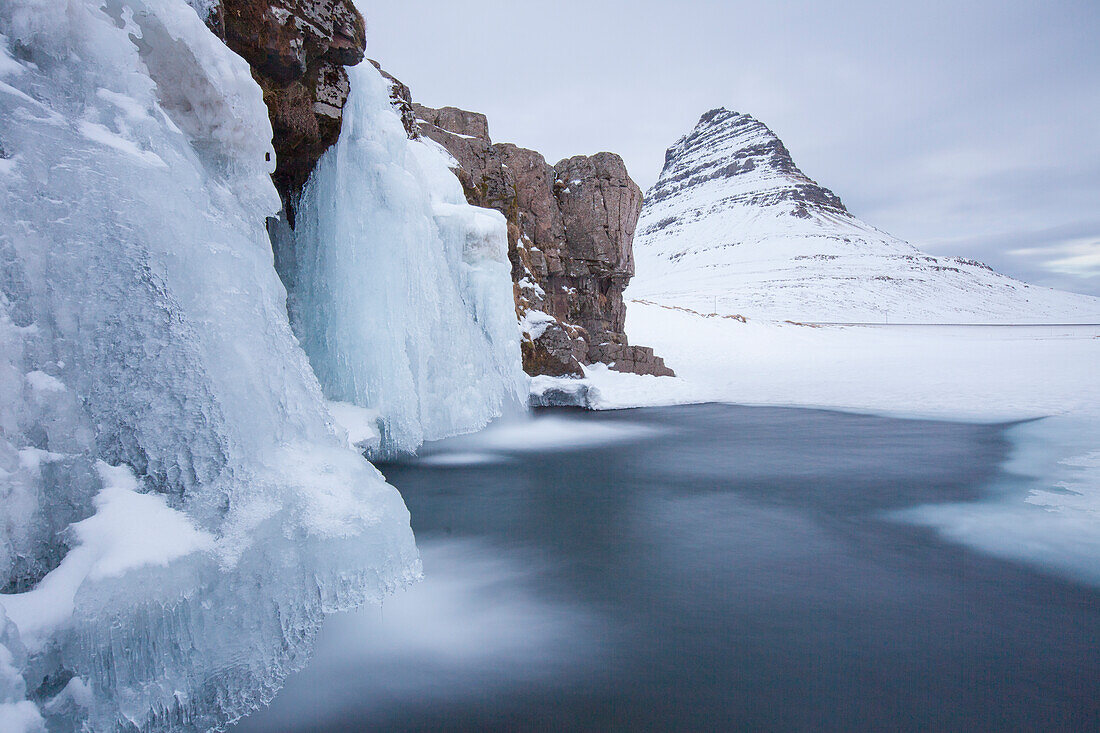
<point>570,240</point>
<point>401,98</point>
<point>297,50</point>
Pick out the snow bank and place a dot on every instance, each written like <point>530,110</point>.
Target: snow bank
<point>360,424</point>
<point>400,292</point>
<point>988,374</point>
<point>128,531</point>
<point>142,325</point>
<point>534,323</point>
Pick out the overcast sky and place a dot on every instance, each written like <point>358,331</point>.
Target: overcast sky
<point>966,128</point>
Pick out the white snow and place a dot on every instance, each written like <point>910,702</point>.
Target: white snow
<point>130,106</point>
<point>400,292</point>
<point>129,530</point>
<point>33,458</point>
<point>42,382</point>
<point>21,717</point>
<point>992,373</point>
<point>103,136</point>
<point>534,323</point>
<point>527,283</point>
<point>360,424</point>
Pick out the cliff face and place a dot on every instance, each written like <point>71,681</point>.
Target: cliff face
<point>570,234</point>
<point>570,226</point>
<point>297,50</point>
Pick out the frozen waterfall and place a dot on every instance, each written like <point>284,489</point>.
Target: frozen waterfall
<point>400,292</point>
<point>177,508</point>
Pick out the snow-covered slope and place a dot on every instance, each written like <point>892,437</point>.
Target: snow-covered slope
<point>178,510</point>
<point>733,226</point>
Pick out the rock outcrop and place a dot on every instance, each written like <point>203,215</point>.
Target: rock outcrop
<point>297,50</point>
<point>570,237</point>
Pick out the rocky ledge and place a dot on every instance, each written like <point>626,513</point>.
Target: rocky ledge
<point>570,241</point>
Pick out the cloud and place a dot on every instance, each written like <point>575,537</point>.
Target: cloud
<point>1080,258</point>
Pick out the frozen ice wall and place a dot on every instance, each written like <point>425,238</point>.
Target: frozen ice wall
<point>177,509</point>
<point>400,291</point>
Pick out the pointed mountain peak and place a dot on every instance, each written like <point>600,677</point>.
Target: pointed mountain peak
<point>736,153</point>
<point>721,115</point>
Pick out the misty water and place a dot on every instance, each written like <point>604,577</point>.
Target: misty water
<point>704,567</point>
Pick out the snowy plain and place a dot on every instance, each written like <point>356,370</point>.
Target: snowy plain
<point>974,373</point>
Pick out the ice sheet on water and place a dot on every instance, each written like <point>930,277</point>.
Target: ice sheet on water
<point>143,326</point>
<point>400,292</point>
<point>1045,510</point>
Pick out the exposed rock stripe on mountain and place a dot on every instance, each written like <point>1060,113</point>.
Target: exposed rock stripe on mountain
<point>733,225</point>
<point>570,240</point>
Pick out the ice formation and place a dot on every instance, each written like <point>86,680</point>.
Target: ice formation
<point>177,508</point>
<point>400,292</point>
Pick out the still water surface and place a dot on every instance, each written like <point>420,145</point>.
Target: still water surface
<point>704,568</point>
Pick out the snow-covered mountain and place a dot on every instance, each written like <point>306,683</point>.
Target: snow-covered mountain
<point>733,225</point>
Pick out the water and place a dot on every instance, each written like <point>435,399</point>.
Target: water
<point>705,567</point>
